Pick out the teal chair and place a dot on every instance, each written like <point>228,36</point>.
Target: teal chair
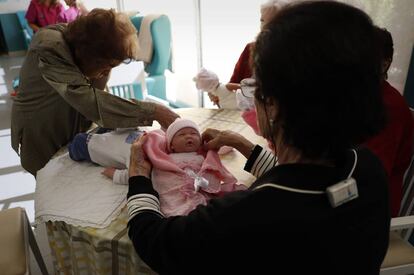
<point>162,54</point>
<point>131,90</point>
<point>27,33</point>
<point>26,30</point>
<point>127,91</point>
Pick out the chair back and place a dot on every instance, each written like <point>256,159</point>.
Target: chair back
<point>127,91</point>
<point>16,236</point>
<point>160,29</point>
<point>26,30</point>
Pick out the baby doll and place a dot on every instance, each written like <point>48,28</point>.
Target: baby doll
<point>109,149</point>
<point>183,174</point>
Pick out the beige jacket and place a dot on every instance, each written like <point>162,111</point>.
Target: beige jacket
<point>56,101</point>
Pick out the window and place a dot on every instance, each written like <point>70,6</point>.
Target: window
<point>398,18</point>
<point>180,87</point>
<point>225,32</point>
<point>103,4</point>
<point>228,25</point>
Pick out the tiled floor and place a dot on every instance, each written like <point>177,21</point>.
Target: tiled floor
<point>16,186</point>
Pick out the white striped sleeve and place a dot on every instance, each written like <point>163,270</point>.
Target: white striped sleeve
<point>140,203</point>
<point>264,161</point>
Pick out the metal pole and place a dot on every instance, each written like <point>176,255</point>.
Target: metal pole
<point>199,45</point>
<point>120,5</point>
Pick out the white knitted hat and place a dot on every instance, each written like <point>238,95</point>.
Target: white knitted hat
<point>176,126</point>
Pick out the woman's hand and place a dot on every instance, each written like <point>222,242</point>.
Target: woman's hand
<point>109,172</point>
<point>215,99</point>
<point>164,115</point>
<point>34,27</point>
<point>102,80</point>
<point>214,139</point>
<point>139,164</point>
<point>82,7</point>
<point>232,86</point>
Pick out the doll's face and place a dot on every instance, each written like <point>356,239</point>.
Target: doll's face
<point>186,140</point>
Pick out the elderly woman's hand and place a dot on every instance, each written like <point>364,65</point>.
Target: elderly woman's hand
<point>109,172</point>
<point>215,99</point>
<point>164,115</point>
<point>214,139</point>
<point>232,87</point>
<point>139,165</point>
<point>101,81</point>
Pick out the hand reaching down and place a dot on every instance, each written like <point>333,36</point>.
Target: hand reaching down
<point>109,172</point>
<point>139,164</point>
<point>164,115</point>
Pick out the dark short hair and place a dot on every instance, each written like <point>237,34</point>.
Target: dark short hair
<point>102,36</point>
<point>319,62</point>
<point>385,42</point>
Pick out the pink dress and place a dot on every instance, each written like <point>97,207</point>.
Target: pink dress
<point>68,15</point>
<point>42,15</point>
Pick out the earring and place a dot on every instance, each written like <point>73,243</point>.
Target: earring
<point>272,125</point>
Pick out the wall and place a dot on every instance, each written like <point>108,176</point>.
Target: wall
<point>397,16</point>
<point>11,6</point>
<point>228,25</point>
<point>180,86</point>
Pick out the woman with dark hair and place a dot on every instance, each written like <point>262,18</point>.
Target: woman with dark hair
<point>323,209</point>
<point>62,83</point>
<point>394,144</point>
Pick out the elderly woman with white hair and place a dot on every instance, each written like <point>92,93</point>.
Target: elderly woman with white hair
<point>223,94</point>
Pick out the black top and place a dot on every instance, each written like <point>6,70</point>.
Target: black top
<point>269,230</point>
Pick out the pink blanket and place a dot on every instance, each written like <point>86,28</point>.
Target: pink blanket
<point>175,185</point>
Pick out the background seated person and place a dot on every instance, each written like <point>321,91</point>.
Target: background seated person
<point>394,144</point>
<point>42,13</point>
<point>75,9</point>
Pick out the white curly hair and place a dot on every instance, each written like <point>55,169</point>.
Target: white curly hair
<point>270,8</point>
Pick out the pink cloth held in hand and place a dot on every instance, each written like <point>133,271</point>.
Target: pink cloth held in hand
<point>224,150</point>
